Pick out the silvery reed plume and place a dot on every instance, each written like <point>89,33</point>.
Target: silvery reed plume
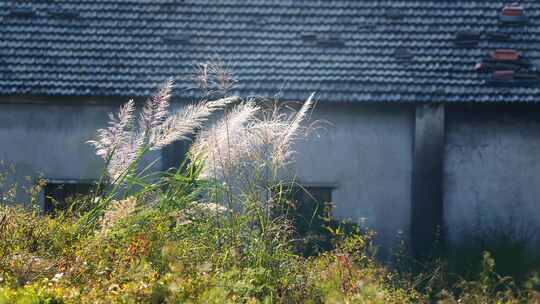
<point>248,148</point>
<point>125,141</point>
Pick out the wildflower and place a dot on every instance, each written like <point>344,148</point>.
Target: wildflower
<point>57,277</point>
<point>182,219</point>
<point>114,288</point>
<point>198,210</point>
<point>214,207</point>
<point>205,267</point>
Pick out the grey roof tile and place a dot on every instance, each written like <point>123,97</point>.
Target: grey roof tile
<point>125,47</point>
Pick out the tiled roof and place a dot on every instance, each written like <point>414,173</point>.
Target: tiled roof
<point>346,50</point>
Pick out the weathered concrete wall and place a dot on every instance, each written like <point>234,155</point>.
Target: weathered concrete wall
<point>48,140</point>
<point>366,153</point>
<point>492,180</point>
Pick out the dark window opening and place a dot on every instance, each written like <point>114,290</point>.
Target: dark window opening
<point>311,217</point>
<point>59,195</point>
<point>311,202</point>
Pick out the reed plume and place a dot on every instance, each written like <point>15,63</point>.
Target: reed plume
<point>223,145</point>
<point>292,132</point>
<point>121,144</point>
<point>156,109</point>
<point>125,155</point>
<point>184,122</point>
<point>249,145</point>
<point>212,77</point>
<point>119,130</point>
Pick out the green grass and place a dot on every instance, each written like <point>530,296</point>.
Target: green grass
<point>175,250</point>
<point>156,256</point>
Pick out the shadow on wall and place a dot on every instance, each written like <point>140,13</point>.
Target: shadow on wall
<point>512,241</point>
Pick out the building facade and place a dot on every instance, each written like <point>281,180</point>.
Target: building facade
<point>432,128</point>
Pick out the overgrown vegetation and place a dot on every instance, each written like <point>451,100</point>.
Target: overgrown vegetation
<point>220,229</point>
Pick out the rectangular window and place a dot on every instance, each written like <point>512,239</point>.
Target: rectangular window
<point>309,199</point>
<point>312,211</point>
<point>59,194</point>
<point>311,205</point>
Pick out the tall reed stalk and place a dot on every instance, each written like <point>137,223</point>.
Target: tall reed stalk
<point>130,137</point>
<point>242,158</point>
